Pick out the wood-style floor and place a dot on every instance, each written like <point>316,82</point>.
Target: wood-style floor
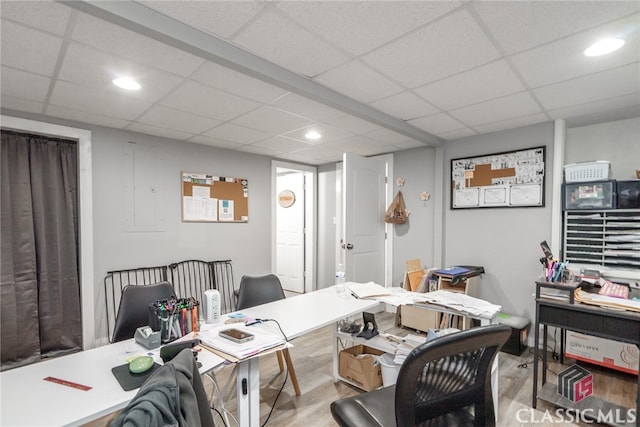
<point>312,359</point>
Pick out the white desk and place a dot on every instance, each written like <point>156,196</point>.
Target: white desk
<point>297,316</point>
<point>28,400</point>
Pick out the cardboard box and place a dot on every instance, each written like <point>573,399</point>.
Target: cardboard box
<point>611,354</point>
<point>359,364</point>
<point>413,275</point>
<point>418,318</point>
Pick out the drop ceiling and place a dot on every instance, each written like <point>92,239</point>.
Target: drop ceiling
<point>372,77</point>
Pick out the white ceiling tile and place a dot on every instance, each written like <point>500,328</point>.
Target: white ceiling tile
<point>127,44</point>
<point>349,24</point>
<point>470,87</point>
<point>28,49</point>
<point>84,66</point>
<point>306,107</point>
<point>607,84</point>
<point>405,106</point>
<point>24,85</point>
<point>272,120</point>
<point>280,144</point>
<point>222,18</point>
<point>48,16</point>
<point>508,107</point>
<point>564,59</point>
<point>169,118</point>
<point>368,86</point>
<point>329,134</point>
<point>96,101</point>
<point>85,117</point>
<point>206,101</point>
<point>19,104</point>
<point>596,107</point>
<point>519,25</point>
<point>278,40</point>
<point>438,123</point>
<point>457,134</point>
<point>232,81</point>
<point>450,45</point>
<point>236,133</point>
<point>352,124</point>
<point>512,123</point>
<point>158,131</point>
<point>214,142</point>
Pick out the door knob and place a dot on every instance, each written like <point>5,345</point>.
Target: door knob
<point>349,246</point>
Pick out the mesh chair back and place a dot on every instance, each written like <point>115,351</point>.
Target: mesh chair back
<point>449,374</point>
<point>256,290</point>
<point>115,281</point>
<point>133,311</point>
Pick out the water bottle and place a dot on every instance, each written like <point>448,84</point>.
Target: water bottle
<point>340,279</point>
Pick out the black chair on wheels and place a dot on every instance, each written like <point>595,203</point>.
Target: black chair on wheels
<point>133,311</point>
<point>256,290</point>
<point>438,385</point>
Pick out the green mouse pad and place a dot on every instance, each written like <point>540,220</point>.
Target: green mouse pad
<point>129,381</point>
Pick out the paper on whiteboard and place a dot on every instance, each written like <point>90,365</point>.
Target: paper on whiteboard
<point>199,208</point>
<point>226,210</point>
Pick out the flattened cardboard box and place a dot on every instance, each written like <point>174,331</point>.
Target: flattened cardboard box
<point>363,371</point>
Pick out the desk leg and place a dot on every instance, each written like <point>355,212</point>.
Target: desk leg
<point>248,392</point>
<point>334,364</point>
<point>494,370</point>
<point>536,347</point>
<point>545,335</point>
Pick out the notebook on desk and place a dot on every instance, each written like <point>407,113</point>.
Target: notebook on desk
<point>367,290</point>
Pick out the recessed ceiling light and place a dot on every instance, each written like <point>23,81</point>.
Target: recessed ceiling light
<point>126,83</point>
<point>312,135</point>
<point>602,47</point>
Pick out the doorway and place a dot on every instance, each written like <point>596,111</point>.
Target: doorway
<point>293,225</point>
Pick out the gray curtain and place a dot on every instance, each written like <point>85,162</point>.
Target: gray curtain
<point>39,285</point>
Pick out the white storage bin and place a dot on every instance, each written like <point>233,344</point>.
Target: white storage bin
<point>599,170</point>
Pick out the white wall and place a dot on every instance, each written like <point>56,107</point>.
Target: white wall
<point>414,239</point>
<point>618,142</point>
<point>326,225</point>
<point>505,241</point>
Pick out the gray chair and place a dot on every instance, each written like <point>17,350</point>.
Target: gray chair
<point>172,395</point>
<point>257,290</point>
<point>133,311</point>
<point>438,384</point>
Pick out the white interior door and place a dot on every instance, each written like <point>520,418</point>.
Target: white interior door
<point>363,204</point>
<point>290,231</point>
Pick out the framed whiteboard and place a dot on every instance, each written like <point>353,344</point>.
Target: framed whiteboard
<point>507,179</point>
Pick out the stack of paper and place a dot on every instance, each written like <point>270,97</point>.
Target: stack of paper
<point>263,341</point>
<point>462,302</point>
<point>406,346</point>
<point>367,290</point>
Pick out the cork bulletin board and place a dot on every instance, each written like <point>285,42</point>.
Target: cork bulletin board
<point>210,198</point>
<point>508,179</point>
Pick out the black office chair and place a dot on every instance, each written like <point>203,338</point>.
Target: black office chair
<point>133,311</point>
<point>256,290</point>
<point>437,385</point>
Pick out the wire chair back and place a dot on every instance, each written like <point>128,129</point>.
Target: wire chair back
<point>116,280</point>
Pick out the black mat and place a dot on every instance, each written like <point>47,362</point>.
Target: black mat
<point>129,381</point>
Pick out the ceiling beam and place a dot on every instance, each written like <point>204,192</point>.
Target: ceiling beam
<point>143,20</point>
